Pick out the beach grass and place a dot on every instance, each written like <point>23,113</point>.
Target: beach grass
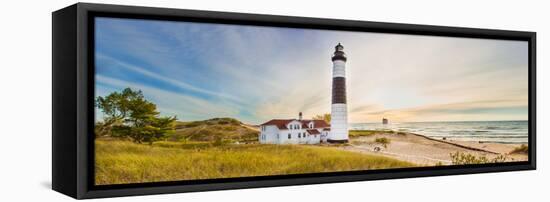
<point>382,140</point>
<point>366,133</point>
<point>460,158</point>
<point>523,149</point>
<point>120,162</point>
<point>216,129</point>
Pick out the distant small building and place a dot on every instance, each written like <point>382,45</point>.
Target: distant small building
<point>294,131</point>
<point>384,121</point>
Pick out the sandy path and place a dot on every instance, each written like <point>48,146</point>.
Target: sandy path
<point>426,151</point>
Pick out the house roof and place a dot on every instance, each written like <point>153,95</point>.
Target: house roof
<point>313,131</point>
<point>281,123</point>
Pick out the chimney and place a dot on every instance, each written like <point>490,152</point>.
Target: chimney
<point>300,116</point>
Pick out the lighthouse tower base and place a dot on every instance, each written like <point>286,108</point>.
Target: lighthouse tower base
<point>338,124</point>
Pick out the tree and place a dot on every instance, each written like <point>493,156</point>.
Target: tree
<point>325,117</point>
<point>129,114</point>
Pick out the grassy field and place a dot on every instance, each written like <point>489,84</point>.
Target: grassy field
<point>119,162</point>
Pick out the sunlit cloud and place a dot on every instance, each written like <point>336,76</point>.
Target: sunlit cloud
<point>199,71</point>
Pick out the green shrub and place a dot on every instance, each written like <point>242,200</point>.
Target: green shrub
<point>460,158</point>
<point>382,140</point>
<point>367,133</point>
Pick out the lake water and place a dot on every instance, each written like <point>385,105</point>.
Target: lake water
<point>485,131</point>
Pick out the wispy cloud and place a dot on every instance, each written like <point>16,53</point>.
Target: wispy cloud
<point>170,103</point>
<point>116,63</point>
<point>259,73</point>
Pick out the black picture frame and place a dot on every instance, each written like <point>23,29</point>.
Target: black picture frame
<point>73,100</point>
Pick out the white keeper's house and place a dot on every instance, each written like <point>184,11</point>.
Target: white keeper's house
<point>300,131</point>
<point>294,131</point>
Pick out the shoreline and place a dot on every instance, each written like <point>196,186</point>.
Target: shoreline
<point>427,151</point>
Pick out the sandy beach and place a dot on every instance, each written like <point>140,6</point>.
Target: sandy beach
<point>426,151</point>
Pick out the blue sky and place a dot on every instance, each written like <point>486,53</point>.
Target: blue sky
<point>198,71</point>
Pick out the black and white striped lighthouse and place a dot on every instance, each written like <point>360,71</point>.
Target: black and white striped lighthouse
<point>339,109</point>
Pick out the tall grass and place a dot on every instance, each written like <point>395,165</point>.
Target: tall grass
<point>366,133</point>
<point>382,140</point>
<point>523,149</point>
<point>460,158</point>
<point>119,162</point>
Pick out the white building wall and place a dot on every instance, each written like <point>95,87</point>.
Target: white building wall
<point>314,139</point>
<point>324,136</point>
<point>293,136</point>
<point>270,133</point>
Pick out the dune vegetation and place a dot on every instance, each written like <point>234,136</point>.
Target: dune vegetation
<point>216,129</point>
<point>367,133</point>
<point>522,149</point>
<point>120,162</point>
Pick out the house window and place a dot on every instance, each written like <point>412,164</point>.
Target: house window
<point>289,136</point>
<point>299,135</point>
